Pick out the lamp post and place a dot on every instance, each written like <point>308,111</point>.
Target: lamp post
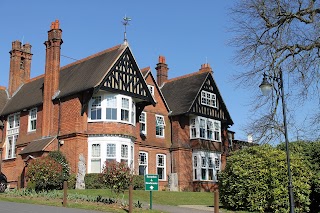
<point>266,88</point>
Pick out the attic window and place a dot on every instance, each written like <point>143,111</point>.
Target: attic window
<point>208,99</point>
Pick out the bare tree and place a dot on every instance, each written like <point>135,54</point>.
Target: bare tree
<point>273,35</point>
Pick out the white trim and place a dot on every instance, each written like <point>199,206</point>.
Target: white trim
<point>104,141</point>
<point>206,165</point>
<point>13,125</point>
<point>161,165</point>
<point>160,123</point>
<point>143,122</point>
<point>205,128</point>
<point>144,164</point>
<point>208,99</point>
<point>32,118</point>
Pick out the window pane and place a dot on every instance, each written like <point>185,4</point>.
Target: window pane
<point>203,174</point>
<point>142,170</point>
<point>124,151</point>
<point>95,150</point>
<point>111,150</point>
<point>210,175</point>
<point>95,165</point>
<point>160,172</point>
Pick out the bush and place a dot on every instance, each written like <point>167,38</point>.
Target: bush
<point>72,181</point>
<point>94,181</point>
<point>45,173</point>
<point>116,176</point>
<point>60,158</point>
<point>255,179</point>
<point>138,182</point>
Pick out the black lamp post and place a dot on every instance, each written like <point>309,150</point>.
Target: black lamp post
<point>266,88</point>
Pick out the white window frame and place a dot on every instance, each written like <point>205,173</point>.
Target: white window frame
<point>117,105</point>
<point>143,123</point>
<point>207,165</point>
<point>115,143</point>
<point>96,157</point>
<point>143,163</point>
<point>205,128</point>
<point>13,124</point>
<point>125,153</point>
<point>160,126</point>
<point>32,120</point>
<point>208,99</point>
<point>161,166</point>
<point>95,108</point>
<point>151,89</point>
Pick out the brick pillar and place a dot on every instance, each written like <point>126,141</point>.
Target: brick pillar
<point>52,75</point>
<point>162,71</point>
<point>20,65</point>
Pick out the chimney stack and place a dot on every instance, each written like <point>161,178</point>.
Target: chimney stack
<point>162,71</point>
<point>52,76</point>
<point>20,65</point>
<point>205,68</point>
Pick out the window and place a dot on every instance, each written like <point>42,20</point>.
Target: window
<point>205,128</point>
<point>111,152</point>
<point>111,109</point>
<point>124,153</point>
<point>96,108</point>
<point>32,125</point>
<point>160,126</point>
<point>96,158</point>
<point>125,109</point>
<point>143,123</point>
<point>143,163</point>
<point>12,135</point>
<point>151,88</point>
<point>208,99</point>
<point>161,166</point>
<point>208,167</point>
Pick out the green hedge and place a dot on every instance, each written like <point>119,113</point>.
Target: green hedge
<point>138,182</point>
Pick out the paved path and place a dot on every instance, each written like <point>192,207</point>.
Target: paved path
<point>10,207</point>
<point>183,208</point>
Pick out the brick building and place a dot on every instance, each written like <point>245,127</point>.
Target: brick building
<point>104,107</point>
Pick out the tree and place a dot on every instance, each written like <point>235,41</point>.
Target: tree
<point>255,179</point>
<point>274,35</point>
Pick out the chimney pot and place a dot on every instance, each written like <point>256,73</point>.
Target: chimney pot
<point>205,68</point>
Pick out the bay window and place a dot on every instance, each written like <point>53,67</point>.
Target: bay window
<point>205,128</point>
<point>112,108</point>
<point>206,165</point>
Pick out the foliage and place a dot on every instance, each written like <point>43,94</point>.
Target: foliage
<point>255,179</point>
<point>93,181</point>
<point>273,36</point>
<point>116,176</point>
<point>72,181</point>
<point>46,173</point>
<point>311,152</point>
<point>138,182</point>
<point>60,158</point>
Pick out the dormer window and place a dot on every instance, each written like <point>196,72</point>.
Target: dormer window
<point>208,99</point>
<point>112,107</point>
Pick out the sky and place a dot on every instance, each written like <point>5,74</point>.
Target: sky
<point>188,33</point>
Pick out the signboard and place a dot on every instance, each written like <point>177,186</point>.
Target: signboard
<point>151,182</point>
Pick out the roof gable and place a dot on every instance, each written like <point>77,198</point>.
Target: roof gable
<point>183,96</point>
<point>125,77</point>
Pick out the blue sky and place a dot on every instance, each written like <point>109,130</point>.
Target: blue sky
<point>188,33</point>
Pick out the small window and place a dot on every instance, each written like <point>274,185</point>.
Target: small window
<point>208,99</point>
<point>143,163</point>
<point>32,125</point>
<point>161,166</point>
<point>151,88</point>
<point>160,126</point>
<point>96,108</point>
<point>143,123</point>
<point>95,158</point>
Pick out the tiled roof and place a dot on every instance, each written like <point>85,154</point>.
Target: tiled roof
<point>181,92</point>
<point>3,98</point>
<point>78,76</point>
<point>37,145</point>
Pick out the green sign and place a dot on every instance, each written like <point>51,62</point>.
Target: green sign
<point>151,182</point>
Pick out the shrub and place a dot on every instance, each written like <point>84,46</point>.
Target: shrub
<point>60,158</point>
<point>116,176</point>
<point>72,181</point>
<point>93,181</point>
<point>45,173</point>
<point>255,179</point>
<point>138,182</point>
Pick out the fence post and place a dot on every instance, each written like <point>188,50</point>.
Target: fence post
<point>65,195</point>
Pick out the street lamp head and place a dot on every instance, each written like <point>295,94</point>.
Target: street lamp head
<point>265,86</point>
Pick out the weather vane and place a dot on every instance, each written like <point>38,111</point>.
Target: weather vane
<point>125,22</point>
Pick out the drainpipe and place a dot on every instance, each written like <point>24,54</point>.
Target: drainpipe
<point>59,124</point>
